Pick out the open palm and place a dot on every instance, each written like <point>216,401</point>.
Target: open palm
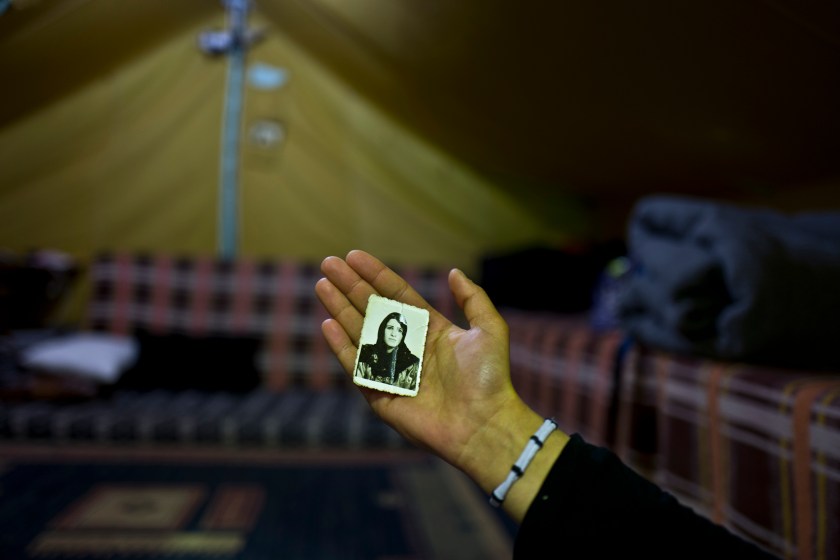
<point>466,373</point>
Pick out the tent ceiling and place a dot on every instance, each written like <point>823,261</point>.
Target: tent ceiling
<point>609,100</point>
<point>48,48</point>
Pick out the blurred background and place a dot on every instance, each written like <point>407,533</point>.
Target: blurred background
<point>425,132</point>
<point>172,173</point>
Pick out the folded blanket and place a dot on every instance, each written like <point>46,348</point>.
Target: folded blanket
<point>733,282</point>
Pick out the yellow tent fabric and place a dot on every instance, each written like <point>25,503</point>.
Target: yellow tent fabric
<point>125,163</point>
<point>351,177</point>
<point>131,162</point>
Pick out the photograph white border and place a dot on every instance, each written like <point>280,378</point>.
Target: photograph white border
<point>377,309</point>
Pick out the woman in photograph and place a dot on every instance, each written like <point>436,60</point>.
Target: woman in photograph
<point>389,360</point>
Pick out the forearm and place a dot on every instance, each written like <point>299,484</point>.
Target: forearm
<point>496,446</point>
<point>467,411</point>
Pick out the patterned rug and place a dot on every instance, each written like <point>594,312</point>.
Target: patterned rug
<point>251,505</point>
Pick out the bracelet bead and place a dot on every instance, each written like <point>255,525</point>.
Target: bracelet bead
<point>534,444</point>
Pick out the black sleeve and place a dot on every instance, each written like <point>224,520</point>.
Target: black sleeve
<point>591,505</point>
<point>365,353</point>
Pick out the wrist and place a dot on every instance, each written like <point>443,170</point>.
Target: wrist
<point>498,443</point>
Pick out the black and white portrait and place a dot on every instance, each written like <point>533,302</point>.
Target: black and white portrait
<point>390,355</point>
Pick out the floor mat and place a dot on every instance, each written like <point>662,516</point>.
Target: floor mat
<point>242,505</point>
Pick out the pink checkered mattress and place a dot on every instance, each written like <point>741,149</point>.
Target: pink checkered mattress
<point>754,448</point>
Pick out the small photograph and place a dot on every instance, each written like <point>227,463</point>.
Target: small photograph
<point>391,345</point>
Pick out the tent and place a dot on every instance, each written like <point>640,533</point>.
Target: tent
<point>429,132</point>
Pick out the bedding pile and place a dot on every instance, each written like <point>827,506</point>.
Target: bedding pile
<point>733,282</point>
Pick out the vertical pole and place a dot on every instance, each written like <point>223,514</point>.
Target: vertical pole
<point>229,177</point>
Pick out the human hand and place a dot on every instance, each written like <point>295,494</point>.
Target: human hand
<point>466,410</point>
<point>465,385</point>
<point>466,375</point>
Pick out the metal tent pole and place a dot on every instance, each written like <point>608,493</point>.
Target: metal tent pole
<point>228,231</point>
<point>234,42</point>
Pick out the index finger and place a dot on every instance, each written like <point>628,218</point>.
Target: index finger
<point>349,284</point>
<point>388,283</point>
<point>372,276</point>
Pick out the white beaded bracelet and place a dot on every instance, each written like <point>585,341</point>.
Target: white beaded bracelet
<point>534,444</point>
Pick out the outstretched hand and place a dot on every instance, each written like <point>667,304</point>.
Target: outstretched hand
<point>466,410</point>
<point>466,373</point>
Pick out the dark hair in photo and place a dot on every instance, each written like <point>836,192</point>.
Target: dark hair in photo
<point>383,363</point>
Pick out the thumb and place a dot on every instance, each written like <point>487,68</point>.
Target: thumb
<point>476,305</point>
